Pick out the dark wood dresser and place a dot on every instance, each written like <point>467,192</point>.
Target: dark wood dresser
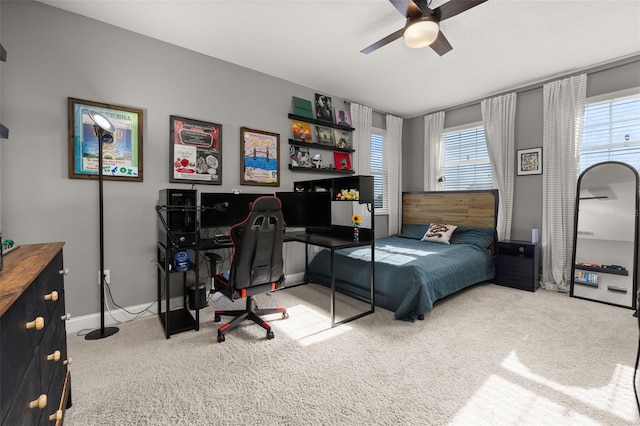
<point>35,383</point>
<point>518,265</point>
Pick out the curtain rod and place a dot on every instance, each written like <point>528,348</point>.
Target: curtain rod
<point>537,85</point>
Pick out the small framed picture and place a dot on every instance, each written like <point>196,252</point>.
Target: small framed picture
<point>342,138</point>
<point>530,161</point>
<point>342,160</point>
<point>301,131</point>
<point>324,110</point>
<point>324,136</point>
<point>260,157</point>
<point>343,117</point>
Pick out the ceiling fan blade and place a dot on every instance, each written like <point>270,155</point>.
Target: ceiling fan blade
<point>453,8</point>
<point>441,45</point>
<point>407,8</point>
<point>383,42</point>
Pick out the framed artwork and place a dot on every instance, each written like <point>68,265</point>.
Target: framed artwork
<point>299,156</point>
<point>324,136</point>
<point>301,132</point>
<point>122,159</point>
<point>324,111</point>
<point>530,161</point>
<point>259,157</point>
<point>342,160</point>
<point>343,117</point>
<point>196,151</point>
<point>343,138</point>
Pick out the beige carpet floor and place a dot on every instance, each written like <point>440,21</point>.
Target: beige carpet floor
<point>488,355</point>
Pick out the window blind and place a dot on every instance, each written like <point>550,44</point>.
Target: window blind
<point>611,132</point>
<point>379,173</point>
<point>466,160</point>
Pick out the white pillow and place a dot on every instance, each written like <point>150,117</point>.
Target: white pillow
<point>439,233</point>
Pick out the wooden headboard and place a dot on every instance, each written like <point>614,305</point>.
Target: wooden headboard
<point>469,208</point>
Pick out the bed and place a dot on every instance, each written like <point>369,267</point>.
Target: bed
<point>411,274</point>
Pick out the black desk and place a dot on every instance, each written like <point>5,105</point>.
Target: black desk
<point>335,243</point>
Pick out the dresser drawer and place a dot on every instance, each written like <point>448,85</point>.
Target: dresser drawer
<point>517,266</point>
<point>20,413</point>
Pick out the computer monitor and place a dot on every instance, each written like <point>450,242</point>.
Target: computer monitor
<point>224,209</point>
<point>306,209</point>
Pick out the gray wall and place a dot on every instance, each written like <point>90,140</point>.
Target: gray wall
<point>51,57</point>
<point>527,201</point>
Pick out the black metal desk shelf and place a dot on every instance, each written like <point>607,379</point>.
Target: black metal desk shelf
<point>179,319</point>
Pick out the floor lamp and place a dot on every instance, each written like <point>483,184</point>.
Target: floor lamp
<point>103,129</point>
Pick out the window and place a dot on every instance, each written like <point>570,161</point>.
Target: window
<point>379,172</point>
<point>611,130</point>
<point>466,159</point>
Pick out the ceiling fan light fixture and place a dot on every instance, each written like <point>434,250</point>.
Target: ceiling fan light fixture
<point>420,33</point>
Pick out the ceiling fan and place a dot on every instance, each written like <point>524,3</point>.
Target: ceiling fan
<point>423,24</point>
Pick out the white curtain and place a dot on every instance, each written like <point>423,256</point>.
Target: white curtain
<point>564,103</point>
<point>498,117</point>
<point>361,117</point>
<point>433,168</point>
<point>393,160</point>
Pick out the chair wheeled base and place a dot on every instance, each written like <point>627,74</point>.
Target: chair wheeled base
<point>251,312</point>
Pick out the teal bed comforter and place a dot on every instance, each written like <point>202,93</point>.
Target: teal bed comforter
<point>410,275</point>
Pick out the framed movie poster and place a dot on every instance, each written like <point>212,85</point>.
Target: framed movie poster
<point>196,151</point>
<point>260,157</point>
<point>122,159</point>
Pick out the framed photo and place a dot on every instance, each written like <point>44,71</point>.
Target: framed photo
<point>343,138</point>
<point>196,151</point>
<point>324,110</point>
<point>122,159</point>
<point>301,132</point>
<point>343,162</point>
<point>324,136</point>
<point>343,117</point>
<point>259,157</point>
<point>530,161</point>
<point>299,156</point>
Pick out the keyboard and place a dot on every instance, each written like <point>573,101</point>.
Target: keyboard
<point>222,239</point>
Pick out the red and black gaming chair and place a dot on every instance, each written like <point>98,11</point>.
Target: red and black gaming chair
<point>256,265</point>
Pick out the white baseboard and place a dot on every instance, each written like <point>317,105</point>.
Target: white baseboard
<point>114,316</point>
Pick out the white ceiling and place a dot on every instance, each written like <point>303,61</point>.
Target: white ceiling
<point>497,46</point>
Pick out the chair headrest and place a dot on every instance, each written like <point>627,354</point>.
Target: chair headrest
<point>266,204</point>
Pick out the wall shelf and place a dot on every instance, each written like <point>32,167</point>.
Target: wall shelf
<point>320,122</point>
<point>314,170</point>
<point>603,270</point>
<point>318,146</point>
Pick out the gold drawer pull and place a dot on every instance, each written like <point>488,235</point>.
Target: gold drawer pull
<point>53,296</point>
<point>67,361</point>
<point>56,417</point>
<point>40,403</point>
<point>66,317</point>
<point>64,271</point>
<point>37,323</point>
<point>55,356</point>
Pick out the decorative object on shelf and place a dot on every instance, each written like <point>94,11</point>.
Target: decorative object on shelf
<point>196,151</point>
<point>323,108</point>
<point>343,138</point>
<point>324,136</point>
<point>357,220</point>
<point>7,244</point>
<point>301,132</point>
<point>260,153</point>
<point>122,156</point>
<point>343,117</point>
<point>530,161</point>
<point>317,161</point>
<point>342,160</point>
<point>348,195</point>
<point>302,107</point>
<point>300,156</point>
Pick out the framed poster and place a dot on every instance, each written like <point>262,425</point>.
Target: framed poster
<point>342,160</point>
<point>530,161</point>
<point>343,139</point>
<point>196,151</point>
<point>259,157</point>
<point>122,159</point>
<point>324,136</point>
<point>324,111</point>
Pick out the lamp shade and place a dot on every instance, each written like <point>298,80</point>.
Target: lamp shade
<point>102,121</point>
<point>420,32</point>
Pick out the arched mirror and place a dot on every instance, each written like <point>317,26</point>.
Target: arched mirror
<point>605,249</point>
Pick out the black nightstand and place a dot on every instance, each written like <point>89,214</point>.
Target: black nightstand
<point>518,265</point>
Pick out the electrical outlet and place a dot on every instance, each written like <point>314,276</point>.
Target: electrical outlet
<point>107,276</point>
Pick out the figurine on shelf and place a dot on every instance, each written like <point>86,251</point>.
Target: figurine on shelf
<point>357,220</point>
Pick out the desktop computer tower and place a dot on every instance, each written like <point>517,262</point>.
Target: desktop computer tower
<point>178,208</point>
